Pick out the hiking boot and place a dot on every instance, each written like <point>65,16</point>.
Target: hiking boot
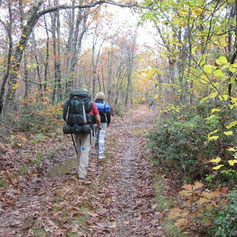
<point>80,176</point>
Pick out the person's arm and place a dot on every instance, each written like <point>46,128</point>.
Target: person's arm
<point>97,120</point>
<point>96,115</point>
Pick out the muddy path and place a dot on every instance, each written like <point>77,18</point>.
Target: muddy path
<point>116,199</point>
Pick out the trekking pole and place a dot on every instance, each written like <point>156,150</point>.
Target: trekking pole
<point>74,143</point>
<point>97,149</point>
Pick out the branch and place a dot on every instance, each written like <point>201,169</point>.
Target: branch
<point>63,7</point>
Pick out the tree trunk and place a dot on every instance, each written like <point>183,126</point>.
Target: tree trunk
<point>16,60</point>
<point>37,64</point>
<point>131,53</point>
<point>46,64</point>
<point>70,49</point>
<point>26,77</point>
<point>10,48</point>
<point>59,86</point>
<point>110,63</point>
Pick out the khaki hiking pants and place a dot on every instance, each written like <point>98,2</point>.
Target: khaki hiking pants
<point>83,147</point>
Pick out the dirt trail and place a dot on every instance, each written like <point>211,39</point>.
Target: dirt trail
<point>116,199</point>
<point>135,209</point>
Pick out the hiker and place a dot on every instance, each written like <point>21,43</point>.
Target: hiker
<point>151,103</point>
<point>104,111</point>
<point>80,112</point>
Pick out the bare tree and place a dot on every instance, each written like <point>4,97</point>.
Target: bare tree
<point>34,14</point>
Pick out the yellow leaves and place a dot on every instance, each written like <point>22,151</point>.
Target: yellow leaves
<point>219,74</point>
<point>217,160</point>
<point>204,79</point>
<point>222,60</point>
<point>15,86</point>
<point>175,42</point>
<point>203,100</point>
<point>232,80</point>
<point>194,50</point>
<point>217,167</point>
<point>213,138</point>
<point>210,138</point>
<point>213,95</point>
<point>210,117</point>
<point>197,11</point>
<point>224,97</point>
<point>213,132</point>
<point>231,149</point>
<point>215,110</point>
<point>21,47</point>
<point>232,162</point>
<point>202,60</point>
<point>208,68</point>
<point>232,124</point>
<point>233,67</point>
<point>228,133</point>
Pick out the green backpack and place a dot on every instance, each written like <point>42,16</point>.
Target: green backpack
<point>76,113</point>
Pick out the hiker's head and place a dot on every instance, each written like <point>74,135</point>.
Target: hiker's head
<point>100,96</point>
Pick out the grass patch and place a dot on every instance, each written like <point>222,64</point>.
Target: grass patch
<point>70,234</point>
<point>3,184</point>
<point>51,151</point>
<point>22,170</point>
<point>80,221</point>
<point>39,159</point>
<point>39,232</point>
<point>38,138</point>
<point>165,204</point>
<point>63,168</point>
<point>60,139</point>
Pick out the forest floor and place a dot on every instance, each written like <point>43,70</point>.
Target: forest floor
<point>41,195</point>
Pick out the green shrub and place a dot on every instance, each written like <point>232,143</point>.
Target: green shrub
<point>179,141</point>
<point>225,222</point>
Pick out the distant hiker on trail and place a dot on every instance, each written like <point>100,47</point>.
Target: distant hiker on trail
<point>80,112</point>
<point>104,110</point>
<point>151,103</point>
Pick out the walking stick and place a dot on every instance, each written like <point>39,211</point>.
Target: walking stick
<point>74,143</point>
<point>97,149</point>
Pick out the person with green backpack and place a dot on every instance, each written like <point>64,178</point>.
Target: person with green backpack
<point>80,113</point>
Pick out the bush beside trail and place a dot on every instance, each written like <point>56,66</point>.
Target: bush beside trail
<point>182,144</point>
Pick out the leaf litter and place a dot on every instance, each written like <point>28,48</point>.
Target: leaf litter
<point>116,199</point>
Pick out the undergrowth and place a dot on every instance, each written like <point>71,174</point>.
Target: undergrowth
<point>196,148</point>
<point>180,144</point>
